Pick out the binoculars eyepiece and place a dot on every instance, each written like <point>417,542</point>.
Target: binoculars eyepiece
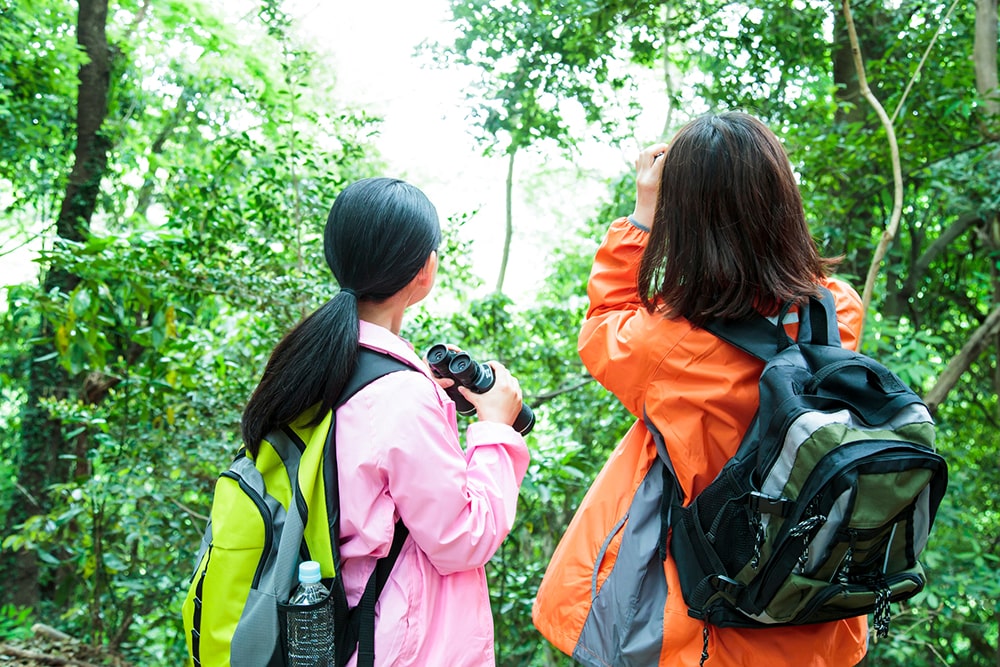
<point>477,377</point>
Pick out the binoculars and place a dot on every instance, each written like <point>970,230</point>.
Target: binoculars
<point>460,367</point>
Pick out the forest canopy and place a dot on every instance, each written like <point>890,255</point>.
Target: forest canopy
<point>169,166</point>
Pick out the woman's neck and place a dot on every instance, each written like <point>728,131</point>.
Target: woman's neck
<point>387,314</point>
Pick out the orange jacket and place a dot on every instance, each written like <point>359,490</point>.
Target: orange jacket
<point>702,394</point>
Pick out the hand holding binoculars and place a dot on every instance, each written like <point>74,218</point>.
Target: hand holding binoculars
<point>477,377</point>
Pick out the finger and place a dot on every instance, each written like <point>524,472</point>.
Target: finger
<point>499,370</point>
<point>650,153</point>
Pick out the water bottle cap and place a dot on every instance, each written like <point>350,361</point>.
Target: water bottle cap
<point>309,572</point>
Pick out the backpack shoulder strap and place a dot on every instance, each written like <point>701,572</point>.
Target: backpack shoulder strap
<point>761,338</point>
<point>358,624</point>
<point>371,365</point>
<point>360,630</point>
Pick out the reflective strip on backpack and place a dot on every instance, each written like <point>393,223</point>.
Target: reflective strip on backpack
<point>809,422</point>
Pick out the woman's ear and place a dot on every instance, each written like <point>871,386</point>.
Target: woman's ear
<point>429,271</point>
<point>424,280</point>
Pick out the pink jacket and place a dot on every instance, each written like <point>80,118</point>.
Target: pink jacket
<point>399,456</point>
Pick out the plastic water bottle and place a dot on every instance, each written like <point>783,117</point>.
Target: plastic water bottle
<point>311,590</point>
<point>310,629</point>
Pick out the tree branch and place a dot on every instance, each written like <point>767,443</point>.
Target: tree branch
<point>897,172</point>
<point>189,511</point>
<point>41,658</point>
<point>920,65</point>
<point>940,244</point>
<point>565,389</point>
<point>963,360</point>
<point>509,221</point>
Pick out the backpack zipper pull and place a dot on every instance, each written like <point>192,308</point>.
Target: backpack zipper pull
<point>843,571</point>
<point>805,529</point>
<point>704,645</point>
<point>882,616</point>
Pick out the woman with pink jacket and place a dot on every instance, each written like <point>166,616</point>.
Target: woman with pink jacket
<point>398,453</point>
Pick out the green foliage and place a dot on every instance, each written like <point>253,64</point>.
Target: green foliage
<point>39,60</point>
<point>544,64</point>
<point>18,322</point>
<point>909,352</point>
<point>228,150</point>
<point>207,248</point>
<point>14,623</point>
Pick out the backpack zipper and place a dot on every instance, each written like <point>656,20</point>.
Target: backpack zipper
<point>265,516</point>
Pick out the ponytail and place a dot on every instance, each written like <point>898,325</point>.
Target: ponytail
<point>310,365</point>
<point>378,236</point>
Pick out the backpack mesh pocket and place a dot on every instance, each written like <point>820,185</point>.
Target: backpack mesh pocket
<point>308,632</point>
<point>723,516</point>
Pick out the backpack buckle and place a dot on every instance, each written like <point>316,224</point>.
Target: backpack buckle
<point>767,505</point>
<point>728,588</point>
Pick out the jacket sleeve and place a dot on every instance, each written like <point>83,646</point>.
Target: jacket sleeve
<point>458,505</point>
<point>616,317</point>
<point>849,312</point>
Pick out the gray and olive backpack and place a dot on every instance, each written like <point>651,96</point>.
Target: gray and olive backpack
<point>825,508</point>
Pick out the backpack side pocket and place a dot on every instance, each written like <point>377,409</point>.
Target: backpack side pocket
<point>224,590</point>
<point>308,631</point>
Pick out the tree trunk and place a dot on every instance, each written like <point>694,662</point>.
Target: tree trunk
<point>509,226</point>
<point>41,436</point>
<point>985,58</point>
<point>845,76</point>
<point>988,86</point>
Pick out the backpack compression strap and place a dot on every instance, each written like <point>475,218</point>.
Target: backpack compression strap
<point>359,623</point>
<point>761,338</point>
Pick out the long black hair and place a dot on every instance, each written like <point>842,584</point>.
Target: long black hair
<point>378,236</point>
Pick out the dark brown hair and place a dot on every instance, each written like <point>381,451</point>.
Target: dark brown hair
<point>729,233</point>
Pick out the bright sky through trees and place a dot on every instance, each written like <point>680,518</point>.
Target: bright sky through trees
<point>425,135</point>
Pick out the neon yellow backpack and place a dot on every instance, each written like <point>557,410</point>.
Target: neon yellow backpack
<point>268,515</point>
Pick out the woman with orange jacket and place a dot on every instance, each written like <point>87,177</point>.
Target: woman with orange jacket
<point>718,231</point>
